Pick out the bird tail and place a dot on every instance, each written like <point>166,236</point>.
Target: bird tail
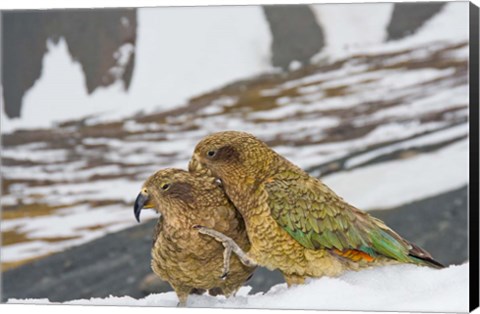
<point>387,242</point>
<point>422,257</point>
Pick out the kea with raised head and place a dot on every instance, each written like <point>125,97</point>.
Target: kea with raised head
<point>295,223</point>
<point>189,261</point>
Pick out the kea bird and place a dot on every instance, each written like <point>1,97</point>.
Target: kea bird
<point>295,222</point>
<point>189,261</point>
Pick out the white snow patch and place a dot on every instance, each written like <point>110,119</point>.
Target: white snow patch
<point>122,56</point>
<point>393,183</point>
<point>313,155</point>
<point>218,105</point>
<point>451,23</point>
<point>341,23</point>
<point>74,223</point>
<point>348,69</point>
<point>389,288</point>
<point>133,127</point>
<point>344,37</point>
<point>35,155</point>
<point>429,139</point>
<point>434,102</point>
<point>280,113</point>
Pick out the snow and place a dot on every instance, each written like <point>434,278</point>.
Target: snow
<point>392,183</point>
<point>385,85</point>
<point>450,24</point>
<point>440,27</point>
<point>122,56</point>
<point>313,155</point>
<point>436,102</point>
<point>389,288</point>
<point>180,52</point>
<point>340,23</point>
<point>19,152</point>
<point>218,105</point>
<point>429,139</point>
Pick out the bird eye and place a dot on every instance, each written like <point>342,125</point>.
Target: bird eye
<point>211,153</point>
<point>165,186</point>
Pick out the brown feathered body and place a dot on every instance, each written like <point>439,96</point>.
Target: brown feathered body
<point>189,261</point>
<point>295,223</point>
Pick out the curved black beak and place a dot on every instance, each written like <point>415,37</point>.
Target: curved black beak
<point>139,205</point>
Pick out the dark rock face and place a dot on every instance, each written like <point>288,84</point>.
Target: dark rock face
<point>92,36</point>
<point>114,264</point>
<point>437,224</point>
<point>295,32</point>
<point>297,35</point>
<point>119,263</point>
<point>407,18</point>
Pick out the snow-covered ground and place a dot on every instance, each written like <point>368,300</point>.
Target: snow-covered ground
<point>393,183</point>
<point>382,124</point>
<point>390,288</point>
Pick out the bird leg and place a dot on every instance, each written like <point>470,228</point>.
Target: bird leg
<point>227,253</point>
<point>230,246</point>
<point>293,279</point>
<point>182,294</point>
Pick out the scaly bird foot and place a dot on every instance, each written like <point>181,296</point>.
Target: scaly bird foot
<point>180,304</point>
<point>230,246</point>
<point>227,253</point>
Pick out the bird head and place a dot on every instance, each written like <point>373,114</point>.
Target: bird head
<point>232,156</point>
<point>165,189</point>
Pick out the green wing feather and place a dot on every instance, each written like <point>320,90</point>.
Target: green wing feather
<point>317,218</point>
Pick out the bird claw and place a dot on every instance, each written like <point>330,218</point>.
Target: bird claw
<point>197,227</point>
<point>226,242</point>
<point>229,245</point>
<point>248,262</point>
<point>224,276</point>
<point>218,182</point>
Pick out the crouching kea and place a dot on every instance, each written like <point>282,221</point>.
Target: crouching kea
<point>296,223</point>
<point>189,261</point>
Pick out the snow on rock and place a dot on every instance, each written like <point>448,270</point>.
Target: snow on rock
<point>344,38</point>
<point>180,52</point>
<point>210,47</point>
<point>389,288</point>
